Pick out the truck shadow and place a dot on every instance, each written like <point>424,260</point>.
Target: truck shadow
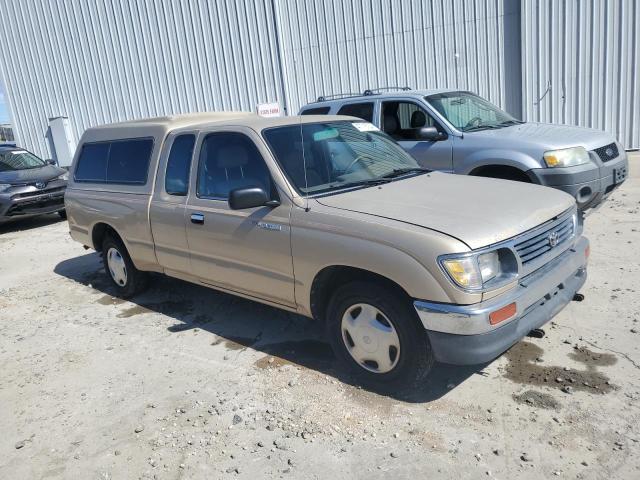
<point>19,224</point>
<point>238,324</point>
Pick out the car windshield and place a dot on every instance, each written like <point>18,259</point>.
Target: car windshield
<point>324,157</point>
<point>468,112</point>
<point>19,160</point>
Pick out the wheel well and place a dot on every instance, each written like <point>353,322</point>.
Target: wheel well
<point>329,279</point>
<point>501,171</point>
<point>99,233</point>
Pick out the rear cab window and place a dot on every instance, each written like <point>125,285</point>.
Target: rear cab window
<point>124,162</point>
<point>176,180</point>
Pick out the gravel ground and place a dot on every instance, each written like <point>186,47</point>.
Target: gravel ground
<point>185,382</point>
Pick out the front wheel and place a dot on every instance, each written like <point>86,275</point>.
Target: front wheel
<point>376,333</point>
<point>127,279</point>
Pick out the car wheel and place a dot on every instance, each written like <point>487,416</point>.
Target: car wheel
<point>127,279</point>
<point>63,214</point>
<point>376,333</point>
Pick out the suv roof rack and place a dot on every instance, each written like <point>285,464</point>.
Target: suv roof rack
<point>368,92</point>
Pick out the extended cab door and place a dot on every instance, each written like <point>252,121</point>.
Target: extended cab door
<point>245,251</point>
<point>167,209</point>
<point>402,120</point>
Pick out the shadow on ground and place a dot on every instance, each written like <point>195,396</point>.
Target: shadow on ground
<point>240,324</point>
<point>29,223</point>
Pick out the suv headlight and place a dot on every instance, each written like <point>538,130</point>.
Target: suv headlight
<point>64,176</point>
<point>567,157</point>
<point>481,271</point>
<point>4,187</point>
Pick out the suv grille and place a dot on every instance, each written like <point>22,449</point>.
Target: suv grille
<point>545,241</point>
<point>608,152</point>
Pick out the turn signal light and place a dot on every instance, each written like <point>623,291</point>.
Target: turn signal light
<point>502,314</point>
<point>587,252</point>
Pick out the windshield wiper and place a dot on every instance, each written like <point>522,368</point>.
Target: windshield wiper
<point>506,123</point>
<point>396,172</point>
<point>482,127</point>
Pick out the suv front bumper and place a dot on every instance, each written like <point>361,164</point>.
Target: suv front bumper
<point>463,335</point>
<point>27,201</point>
<point>589,184</point>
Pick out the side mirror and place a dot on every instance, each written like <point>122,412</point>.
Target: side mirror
<point>50,161</point>
<point>250,197</point>
<point>430,134</point>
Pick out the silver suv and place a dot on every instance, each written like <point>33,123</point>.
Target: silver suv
<point>460,132</point>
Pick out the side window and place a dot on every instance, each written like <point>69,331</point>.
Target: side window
<point>360,110</point>
<point>401,120</point>
<point>316,111</point>
<point>92,163</point>
<point>176,180</point>
<point>230,160</point>
<point>119,161</point>
<point>129,161</point>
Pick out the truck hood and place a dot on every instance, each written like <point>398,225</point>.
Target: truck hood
<point>547,136</point>
<point>31,175</point>
<point>477,211</point>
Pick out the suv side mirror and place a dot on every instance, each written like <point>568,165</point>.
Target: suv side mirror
<point>250,197</point>
<point>430,134</point>
<point>50,161</point>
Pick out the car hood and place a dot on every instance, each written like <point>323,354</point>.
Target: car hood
<point>31,175</point>
<point>548,136</point>
<point>477,211</point>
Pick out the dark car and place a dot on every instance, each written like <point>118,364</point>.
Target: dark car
<point>29,185</point>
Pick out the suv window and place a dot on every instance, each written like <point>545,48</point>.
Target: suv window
<point>402,120</point>
<point>119,161</point>
<point>360,110</point>
<point>176,179</point>
<point>316,111</point>
<point>230,160</point>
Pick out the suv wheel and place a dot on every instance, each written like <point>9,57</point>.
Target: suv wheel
<point>127,279</point>
<point>378,335</point>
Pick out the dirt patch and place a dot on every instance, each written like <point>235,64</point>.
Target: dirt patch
<point>525,367</point>
<point>235,343</point>
<point>169,307</point>
<point>109,300</point>
<point>537,399</point>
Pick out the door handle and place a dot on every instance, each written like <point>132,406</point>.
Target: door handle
<point>197,218</point>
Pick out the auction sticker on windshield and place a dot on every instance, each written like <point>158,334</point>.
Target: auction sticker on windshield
<point>366,127</point>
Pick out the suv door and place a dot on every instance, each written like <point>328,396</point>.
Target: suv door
<point>245,251</point>
<point>402,120</point>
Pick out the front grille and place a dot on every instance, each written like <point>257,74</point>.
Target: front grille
<point>549,239</point>
<point>38,192</point>
<point>608,152</point>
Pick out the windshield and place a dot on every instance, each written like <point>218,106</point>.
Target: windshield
<point>19,160</point>
<point>468,112</point>
<point>337,155</point>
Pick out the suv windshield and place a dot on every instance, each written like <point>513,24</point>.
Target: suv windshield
<point>19,160</point>
<point>324,157</point>
<point>468,112</point>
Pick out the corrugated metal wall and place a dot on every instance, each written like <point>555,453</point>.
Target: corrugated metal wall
<point>585,55</point>
<point>110,60</point>
<point>337,46</point>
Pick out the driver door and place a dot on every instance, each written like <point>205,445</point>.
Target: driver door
<point>402,120</point>
<point>244,251</point>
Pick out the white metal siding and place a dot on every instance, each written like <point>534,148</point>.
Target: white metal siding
<point>109,60</point>
<point>586,57</point>
<point>338,46</point>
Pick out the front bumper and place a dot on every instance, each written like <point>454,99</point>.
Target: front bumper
<point>589,184</point>
<point>27,201</point>
<point>463,335</point>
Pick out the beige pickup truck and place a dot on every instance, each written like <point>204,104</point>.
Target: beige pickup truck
<point>328,217</point>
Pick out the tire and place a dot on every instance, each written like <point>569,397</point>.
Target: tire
<point>407,364</point>
<point>63,214</point>
<point>124,276</point>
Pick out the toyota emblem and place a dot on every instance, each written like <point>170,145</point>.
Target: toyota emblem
<point>553,239</point>
<point>609,152</point>
<point>40,185</point>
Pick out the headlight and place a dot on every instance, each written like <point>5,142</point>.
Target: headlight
<point>64,176</point>
<point>481,271</point>
<point>4,187</point>
<point>567,157</point>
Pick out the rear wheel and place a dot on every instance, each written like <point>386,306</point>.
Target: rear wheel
<point>63,214</point>
<point>127,279</point>
<point>376,333</point>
